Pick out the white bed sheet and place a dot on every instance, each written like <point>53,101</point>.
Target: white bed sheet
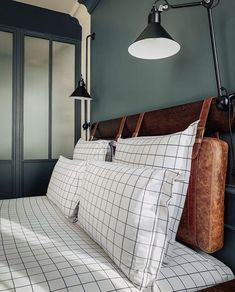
<point>40,251</point>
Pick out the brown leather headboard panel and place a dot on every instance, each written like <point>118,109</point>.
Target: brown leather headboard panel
<point>107,129</point>
<point>165,121</point>
<point>203,215</point>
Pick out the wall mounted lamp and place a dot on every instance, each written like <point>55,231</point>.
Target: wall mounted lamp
<point>81,93</point>
<point>156,43</point>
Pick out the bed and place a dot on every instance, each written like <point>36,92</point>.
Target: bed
<point>42,251</point>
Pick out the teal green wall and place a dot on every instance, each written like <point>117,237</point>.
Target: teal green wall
<point>122,84</point>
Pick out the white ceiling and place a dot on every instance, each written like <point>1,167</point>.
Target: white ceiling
<point>58,5</point>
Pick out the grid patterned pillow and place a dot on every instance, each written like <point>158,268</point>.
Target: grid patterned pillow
<point>65,184</point>
<point>125,210</point>
<point>171,151</point>
<point>93,150</point>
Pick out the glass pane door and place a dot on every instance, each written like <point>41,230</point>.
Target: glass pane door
<point>63,79</point>
<point>6,66</point>
<point>36,98</point>
<point>6,113</point>
<point>49,79</point>
<point>37,116</point>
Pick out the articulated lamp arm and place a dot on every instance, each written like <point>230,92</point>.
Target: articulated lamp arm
<point>223,98</point>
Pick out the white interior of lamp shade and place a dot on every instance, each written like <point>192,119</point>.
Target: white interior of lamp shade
<point>154,48</point>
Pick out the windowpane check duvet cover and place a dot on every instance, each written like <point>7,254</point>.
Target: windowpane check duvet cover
<point>41,251</point>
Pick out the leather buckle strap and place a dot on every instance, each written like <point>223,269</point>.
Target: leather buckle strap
<point>119,135</point>
<point>203,116</point>
<point>201,126</point>
<point>138,125</point>
<point>199,135</point>
<point>200,132</point>
<point>191,197</point>
<point>94,131</point>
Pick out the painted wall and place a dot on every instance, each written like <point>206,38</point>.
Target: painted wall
<point>122,84</point>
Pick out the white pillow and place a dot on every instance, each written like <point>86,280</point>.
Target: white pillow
<point>65,184</point>
<point>93,150</point>
<point>171,151</point>
<point>125,210</point>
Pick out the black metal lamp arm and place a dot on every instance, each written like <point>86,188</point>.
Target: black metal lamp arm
<point>223,99</point>
<point>205,3</point>
<point>92,37</point>
<point>215,53</point>
<point>87,124</point>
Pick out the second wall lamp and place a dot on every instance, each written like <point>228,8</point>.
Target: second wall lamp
<point>81,92</point>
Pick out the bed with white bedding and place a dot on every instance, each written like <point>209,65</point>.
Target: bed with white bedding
<point>40,250</point>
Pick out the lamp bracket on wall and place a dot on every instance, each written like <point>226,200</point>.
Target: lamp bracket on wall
<point>86,126</point>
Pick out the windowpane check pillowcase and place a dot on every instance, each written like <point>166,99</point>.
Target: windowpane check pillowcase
<point>125,210</point>
<point>65,184</point>
<point>171,151</point>
<point>93,150</point>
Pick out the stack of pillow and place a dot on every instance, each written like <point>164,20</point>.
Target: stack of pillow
<point>132,206</point>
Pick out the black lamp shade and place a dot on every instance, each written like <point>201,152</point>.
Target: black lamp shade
<point>80,92</point>
<point>154,42</point>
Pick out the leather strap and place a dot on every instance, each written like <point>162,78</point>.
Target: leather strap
<point>138,125</point>
<point>201,126</point>
<point>191,202</point>
<point>191,197</point>
<point>119,134</point>
<point>94,130</point>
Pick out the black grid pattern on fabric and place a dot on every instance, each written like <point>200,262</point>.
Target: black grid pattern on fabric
<point>191,271</point>
<point>101,150</point>
<point>41,251</point>
<point>65,184</point>
<point>171,151</point>
<point>125,210</point>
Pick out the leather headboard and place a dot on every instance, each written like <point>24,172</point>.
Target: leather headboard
<point>203,216</point>
<point>165,121</point>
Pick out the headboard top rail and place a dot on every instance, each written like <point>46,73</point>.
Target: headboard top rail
<point>165,121</point>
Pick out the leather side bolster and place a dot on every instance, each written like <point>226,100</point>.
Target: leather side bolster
<point>202,222</point>
<point>211,178</point>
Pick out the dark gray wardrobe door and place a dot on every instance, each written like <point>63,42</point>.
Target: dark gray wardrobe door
<point>6,113</point>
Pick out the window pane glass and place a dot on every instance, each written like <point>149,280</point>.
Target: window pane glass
<point>6,56</point>
<point>62,106</point>
<point>36,98</point>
